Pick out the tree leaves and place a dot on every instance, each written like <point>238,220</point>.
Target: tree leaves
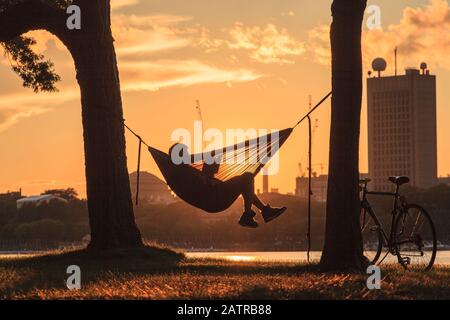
<point>5,4</point>
<point>35,71</point>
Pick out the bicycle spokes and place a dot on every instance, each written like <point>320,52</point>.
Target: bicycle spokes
<point>415,238</point>
<point>412,237</point>
<point>371,236</point>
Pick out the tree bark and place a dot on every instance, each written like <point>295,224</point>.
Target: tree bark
<point>109,197</point>
<point>110,206</point>
<point>343,244</point>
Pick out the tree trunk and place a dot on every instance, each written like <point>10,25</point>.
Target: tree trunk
<point>108,189</point>
<point>109,197</point>
<point>343,243</point>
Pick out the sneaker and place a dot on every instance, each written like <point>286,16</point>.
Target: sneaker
<point>270,213</point>
<point>247,220</point>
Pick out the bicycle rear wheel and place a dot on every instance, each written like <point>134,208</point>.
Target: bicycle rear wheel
<point>415,239</point>
<point>371,235</point>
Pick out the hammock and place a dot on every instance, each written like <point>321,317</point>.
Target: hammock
<point>188,182</point>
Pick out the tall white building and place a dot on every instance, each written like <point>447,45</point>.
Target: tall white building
<point>402,128</point>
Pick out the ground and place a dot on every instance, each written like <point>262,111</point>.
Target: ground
<point>137,275</point>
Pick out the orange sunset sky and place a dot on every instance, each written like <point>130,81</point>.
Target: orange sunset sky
<point>252,64</point>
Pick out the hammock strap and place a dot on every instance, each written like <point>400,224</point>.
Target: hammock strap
<point>134,133</point>
<point>138,170</point>
<point>308,233</point>
<point>313,109</point>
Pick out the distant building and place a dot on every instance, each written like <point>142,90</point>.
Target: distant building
<point>402,128</point>
<point>11,195</point>
<point>265,177</point>
<point>444,180</point>
<point>38,200</point>
<point>151,188</point>
<point>319,187</point>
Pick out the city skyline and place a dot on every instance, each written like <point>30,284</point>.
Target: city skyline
<point>172,57</point>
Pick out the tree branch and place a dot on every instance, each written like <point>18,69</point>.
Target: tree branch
<point>27,15</point>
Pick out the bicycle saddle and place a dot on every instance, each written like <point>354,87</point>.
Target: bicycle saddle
<point>399,180</point>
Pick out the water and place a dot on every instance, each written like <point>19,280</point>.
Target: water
<point>442,258</point>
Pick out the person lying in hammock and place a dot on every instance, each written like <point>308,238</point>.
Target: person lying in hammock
<point>214,195</point>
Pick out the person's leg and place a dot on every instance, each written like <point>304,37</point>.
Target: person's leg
<point>248,193</point>
<point>250,198</point>
<point>257,202</point>
<point>248,201</point>
<point>244,185</point>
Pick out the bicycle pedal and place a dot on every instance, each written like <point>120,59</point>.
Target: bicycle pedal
<point>406,261</point>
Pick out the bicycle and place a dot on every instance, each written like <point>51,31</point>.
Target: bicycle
<point>412,237</point>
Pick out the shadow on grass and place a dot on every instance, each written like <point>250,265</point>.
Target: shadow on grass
<point>153,268</point>
<point>151,257</point>
<point>49,270</point>
<point>148,260</point>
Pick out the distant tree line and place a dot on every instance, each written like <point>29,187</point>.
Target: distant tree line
<point>436,200</point>
<point>183,226</point>
<point>44,225</point>
<point>67,194</point>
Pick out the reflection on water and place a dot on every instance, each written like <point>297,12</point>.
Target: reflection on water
<point>442,258</point>
<point>240,258</point>
<point>257,256</point>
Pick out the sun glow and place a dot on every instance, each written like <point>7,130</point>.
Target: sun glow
<point>240,258</point>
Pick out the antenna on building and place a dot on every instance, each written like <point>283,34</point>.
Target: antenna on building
<point>423,67</point>
<point>301,173</point>
<point>200,116</point>
<point>199,110</point>
<point>395,52</point>
<point>379,64</point>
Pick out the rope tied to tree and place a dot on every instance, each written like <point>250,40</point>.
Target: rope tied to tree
<point>310,193</point>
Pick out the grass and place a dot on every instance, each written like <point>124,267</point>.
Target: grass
<point>159,273</point>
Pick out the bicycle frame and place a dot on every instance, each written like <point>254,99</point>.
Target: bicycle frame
<point>398,206</point>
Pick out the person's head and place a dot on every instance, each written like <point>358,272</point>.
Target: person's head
<point>179,154</point>
<point>210,169</point>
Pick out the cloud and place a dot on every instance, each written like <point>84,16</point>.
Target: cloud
<point>288,14</point>
<point>156,75</point>
<point>140,37</point>
<point>319,44</point>
<point>139,41</point>
<point>149,34</point>
<point>267,44</point>
<point>134,34</point>
<point>422,34</point>
<point>118,4</point>
<point>18,106</point>
<point>9,117</point>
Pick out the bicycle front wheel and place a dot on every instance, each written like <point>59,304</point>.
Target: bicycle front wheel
<point>371,235</point>
<point>415,238</point>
